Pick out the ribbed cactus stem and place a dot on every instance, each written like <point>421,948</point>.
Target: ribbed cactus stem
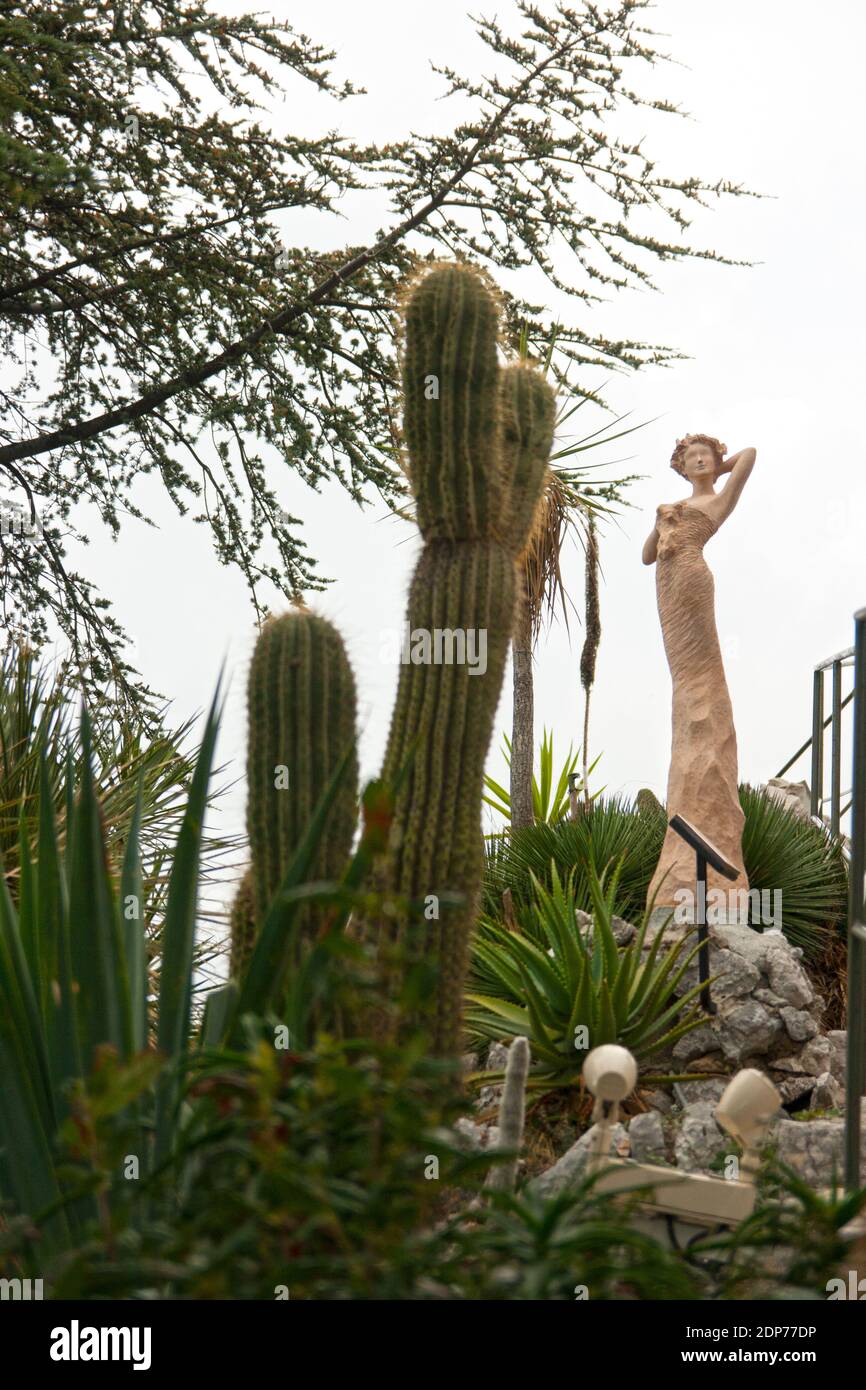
<point>301,723</point>
<point>478,441</point>
<point>512,1111</point>
<point>242,923</point>
<point>648,803</point>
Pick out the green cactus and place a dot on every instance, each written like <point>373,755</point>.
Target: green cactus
<point>648,803</point>
<point>242,924</point>
<point>478,441</point>
<point>512,1113</point>
<point>301,697</point>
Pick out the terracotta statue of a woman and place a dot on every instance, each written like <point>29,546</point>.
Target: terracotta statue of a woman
<point>702,785</point>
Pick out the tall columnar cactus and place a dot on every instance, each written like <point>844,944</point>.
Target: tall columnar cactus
<point>478,439</point>
<point>301,698</point>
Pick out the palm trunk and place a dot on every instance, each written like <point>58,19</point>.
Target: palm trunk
<point>590,645</point>
<point>522,730</point>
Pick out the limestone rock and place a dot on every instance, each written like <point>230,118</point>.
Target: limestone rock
<point>794,796</point>
<point>567,1173</point>
<point>793,1088</point>
<point>695,1044</point>
<point>838,1038</point>
<point>647,1137</point>
<point>700,1140</point>
<point>773,1001</point>
<point>735,974</point>
<point>749,1030</point>
<point>490,1095</point>
<point>711,1063</point>
<point>744,941</point>
<point>497,1056</point>
<point>828,1094</point>
<point>624,933</point>
<point>473,1138</point>
<point>813,1148</point>
<point>811,1060</point>
<point>799,1025</point>
<point>658,1100</point>
<point>690,1093</point>
<point>788,978</point>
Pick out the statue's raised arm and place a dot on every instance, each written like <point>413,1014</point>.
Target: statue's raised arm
<point>739,466</point>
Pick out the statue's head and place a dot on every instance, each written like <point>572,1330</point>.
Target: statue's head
<point>698,456</point>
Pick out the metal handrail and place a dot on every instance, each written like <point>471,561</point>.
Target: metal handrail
<point>855,1076</point>
<point>836,664</point>
<point>855,853</point>
<point>808,744</point>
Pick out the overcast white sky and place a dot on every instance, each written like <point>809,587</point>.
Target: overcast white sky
<point>775,91</point>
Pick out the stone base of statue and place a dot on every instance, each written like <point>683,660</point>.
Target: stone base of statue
<point>682,920</point>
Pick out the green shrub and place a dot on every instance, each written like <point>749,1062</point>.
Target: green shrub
<point>608,832</point>
<point>546,989</point>
<point>39,732</point>
<point>780,850</point>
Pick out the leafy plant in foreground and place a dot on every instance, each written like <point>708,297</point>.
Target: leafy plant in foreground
<point>39,724</point>
<point>74,990</point>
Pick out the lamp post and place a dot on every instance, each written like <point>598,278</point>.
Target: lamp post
<point>705,853</point>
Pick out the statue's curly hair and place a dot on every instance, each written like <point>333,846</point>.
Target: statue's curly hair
<point>679,454</point>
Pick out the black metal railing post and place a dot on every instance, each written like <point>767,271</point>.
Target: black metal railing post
<point>856,1058</point>
<point>817,741</point>
<point>703,935</point>
<point>705,853</point>
<point>836,750</point>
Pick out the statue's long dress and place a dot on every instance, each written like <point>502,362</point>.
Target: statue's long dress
<point>702,785</point>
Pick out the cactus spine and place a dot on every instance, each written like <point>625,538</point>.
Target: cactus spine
<point>301,698</point>
<point>512,1111</point>
<point>478,440</point>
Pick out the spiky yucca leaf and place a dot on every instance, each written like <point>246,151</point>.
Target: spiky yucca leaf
<point>40,740</point>
<point>550,796</point>
<point>784,851</point>
<point>548,988</point>
<point>608,832</point>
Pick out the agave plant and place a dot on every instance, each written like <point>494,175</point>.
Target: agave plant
<point>568,993</point>
<point>550,794</point>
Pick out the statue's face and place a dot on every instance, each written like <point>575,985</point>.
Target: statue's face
<point>699,462</point>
